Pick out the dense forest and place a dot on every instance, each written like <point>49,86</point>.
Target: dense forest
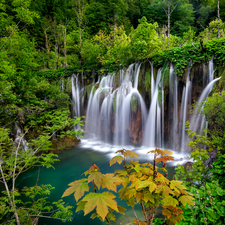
<point>44,41</point>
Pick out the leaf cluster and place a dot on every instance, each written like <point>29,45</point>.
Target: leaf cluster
<point>141,184</point>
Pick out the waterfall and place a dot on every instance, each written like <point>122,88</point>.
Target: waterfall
<point>109,110</point>
<point>116,111</point>
<point>19,140</point>
<point>76,98</point>
<point>153,127</point>
<point>184,110</point>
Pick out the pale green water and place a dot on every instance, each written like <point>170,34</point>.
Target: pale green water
<point>72,164</point>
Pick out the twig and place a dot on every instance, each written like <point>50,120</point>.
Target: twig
<point>136,216</point>
<point>10,35</point>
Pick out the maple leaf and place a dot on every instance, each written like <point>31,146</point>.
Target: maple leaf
<point>130,193</point>
<point>162,179</point>
<point>164,159</point>
<point>139,196</point>
<point>78,187</point>
<point>167,213</point>
<point>147,171</point>
<point>168,152</point>
<point>116,159</point>
<point>149,197</point>
<point>100,201</point>
<point>121,172</point>
<point>169,200</point>
<point>164,189</point>
<point>177,186</point>
<point>143,184</point>
<point>131,154</point>
<point>186,199</point>
<point>97,177</point>
<point>121,209</point>
<point>110,182</point>
<point>80,206</point>
<point>152,186</point>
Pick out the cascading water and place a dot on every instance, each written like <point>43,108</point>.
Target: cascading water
<point>76,98</point>
<point>116,112</point>
<point>109,111</point>
<point>19,140</point>
<point>153,127</point>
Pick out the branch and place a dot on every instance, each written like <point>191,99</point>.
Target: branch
<point>10,35</point>
<point>175,7</point>
<point>195,47</point>
<point>190,50</point>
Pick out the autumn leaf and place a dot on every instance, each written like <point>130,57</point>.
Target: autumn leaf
<point>100,201</point>
<point>110,182</point>
<point>169,200</point>
<point>152,186</point>
<point>143,184</point>
<point>177,186</point>
<point>116,159</point>
<point>97,177</point>
<point>164,189</point>
<point>167,152</point>
<point>78,187</point>
<point>121,209</point>
<point>186,199</point>
<point>148,197</point>
<point>131,154</point>
<point>80,206</point>
<point>139,196</point>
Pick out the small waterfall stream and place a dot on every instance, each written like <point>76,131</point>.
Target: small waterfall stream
<point>116,112</point>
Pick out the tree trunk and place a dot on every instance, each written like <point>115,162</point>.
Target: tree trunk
<point>64,30</point>
<point>218,16</point>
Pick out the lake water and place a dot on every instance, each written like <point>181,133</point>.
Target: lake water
<point>73,162</point>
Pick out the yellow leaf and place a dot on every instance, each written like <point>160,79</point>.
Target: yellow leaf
<point>118,159</point>
<point>143,184</point>
<point>169,201</point>
<point>78,188</point>
<point>110,182</point>
<point>168,152</point>
<point>152,186</point>
<point>186,199</point>
<point>97,177</point>
<point>100,201</point>
<point>164,189</point>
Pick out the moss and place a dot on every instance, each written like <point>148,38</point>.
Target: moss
<point>114,102</point>
<point>222,79</point>
<point>134,103</point>
<point>64,143</point>
<point>147,82</point>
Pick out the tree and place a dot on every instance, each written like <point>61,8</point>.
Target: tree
<point>14,160</point>
<point>142,184</point>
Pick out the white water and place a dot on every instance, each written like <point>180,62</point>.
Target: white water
<point>19,140</point>
<point>114,104</point>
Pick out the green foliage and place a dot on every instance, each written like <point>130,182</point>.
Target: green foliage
<point>208,205</point>
<point>218,171</point>
<point>215,110</point>
<point>199,171</point>
<point>142,184</point>
<point>14,160</point>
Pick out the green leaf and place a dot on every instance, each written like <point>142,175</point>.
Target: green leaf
<point>100,201</point>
